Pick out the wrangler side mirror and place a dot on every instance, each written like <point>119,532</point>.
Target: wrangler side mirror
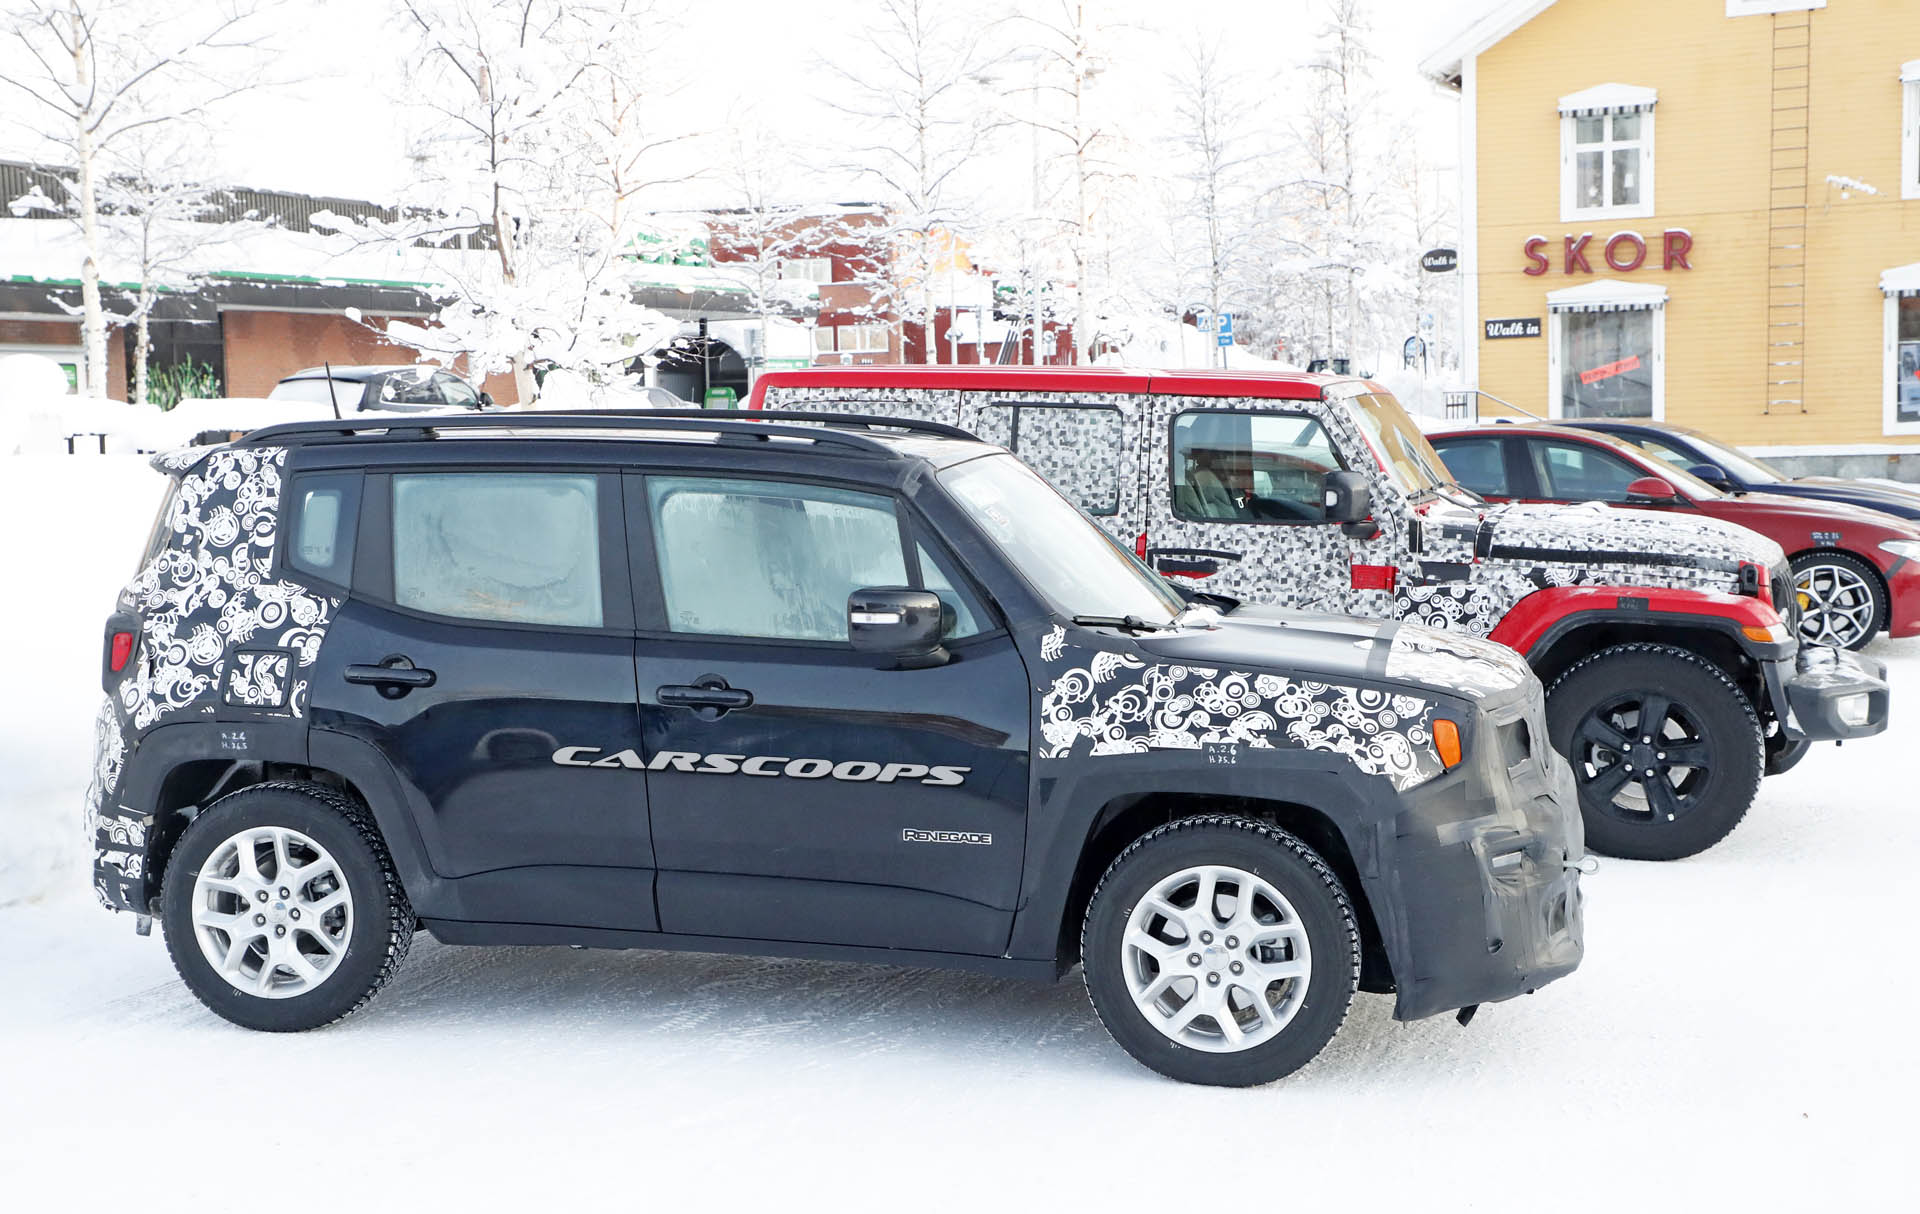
<point>1347,498</point>
<point>902,623</point>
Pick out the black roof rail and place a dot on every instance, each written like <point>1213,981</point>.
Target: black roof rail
<point>825,428</point>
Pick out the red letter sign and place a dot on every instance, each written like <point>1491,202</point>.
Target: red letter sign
<point>1577,254</point>
<point>1679,243</point>
<point>1535,256</point>
<point>1639,251</point>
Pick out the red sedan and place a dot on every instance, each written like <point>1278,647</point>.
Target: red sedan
<point>1857,571</point>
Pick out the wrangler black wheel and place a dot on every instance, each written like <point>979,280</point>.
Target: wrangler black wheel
<point>1666,750</point>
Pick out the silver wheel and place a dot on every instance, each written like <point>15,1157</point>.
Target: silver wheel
<point>1216,959</point>
<point>272,912</point>
<point>1837,606</point>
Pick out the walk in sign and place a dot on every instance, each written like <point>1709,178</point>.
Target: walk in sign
<point>1223,329</point>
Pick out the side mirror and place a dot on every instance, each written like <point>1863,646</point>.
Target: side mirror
<point>1713,474</point>
<point>1651,488</point>
<point>906,624</point>
<point>486,400</point>
<point>1347,498</point>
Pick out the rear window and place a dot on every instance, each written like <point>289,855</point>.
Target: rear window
<point>160,532</point>
<point>315,392</point>
<point>324,511</point>
<point>1477,463</point>
<point>518,547</point>
<point>1076,447</point>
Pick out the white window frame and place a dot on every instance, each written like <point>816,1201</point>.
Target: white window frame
<point>1890,422</point>
<point>1606,101</point>
<point>1606,294</point>
<point>864,337</point>
<point>1910,129</point>
<point>807,269</point>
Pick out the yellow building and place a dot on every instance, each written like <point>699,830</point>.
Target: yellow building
<point>1701,211</point>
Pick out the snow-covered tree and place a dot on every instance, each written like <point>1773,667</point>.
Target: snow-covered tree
<point>540,140</point>
<point>910,79</point>
<point>765,227</point>
<point>97,72</point>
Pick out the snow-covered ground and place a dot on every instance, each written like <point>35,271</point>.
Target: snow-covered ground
<point>1739,1036</point>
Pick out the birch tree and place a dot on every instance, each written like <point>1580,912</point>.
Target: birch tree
<point>911,80</point>
<point>94,72</point>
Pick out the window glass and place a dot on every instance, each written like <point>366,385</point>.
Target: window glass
<point>1077,448</point>
<point>767,558</point>
<point>454,391</point>
<point>1250,467</point>
<point>1075,565</point>
<point>325,509</point>
<point>1579,473</point>
<point>1907,377</point>
<point>412,386</point>
<point>1664,453</point>
<point>316,392</point>
<point>1606,364</point>
<point>1476,463</point>
<point>514,546</point>
<point>1626,177</point>
<point>1609,155</point>
<point>966,613</point>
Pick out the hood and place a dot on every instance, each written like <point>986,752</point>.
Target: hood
<point>1779,514</point>
<point>1344,649</point>
<point>1594,533</point>
<point>1895,499</point>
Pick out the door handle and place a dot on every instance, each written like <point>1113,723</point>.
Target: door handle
<point>681,695</point>
<point>394,677</point>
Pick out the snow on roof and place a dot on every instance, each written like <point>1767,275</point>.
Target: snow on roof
<point>1609,98</point>
<point>1444,64</point>
<point>1606,295</point>
<point>1901,280</point>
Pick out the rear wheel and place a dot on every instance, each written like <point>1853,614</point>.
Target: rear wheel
<point>1841,600</point>
<point>1221,950</point>
<point>281,907</point>
<point>1666,750</point>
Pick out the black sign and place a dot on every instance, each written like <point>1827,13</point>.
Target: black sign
<point>1523,327</point>
<point>1439,261</point>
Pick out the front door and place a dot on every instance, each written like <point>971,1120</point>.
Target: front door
<point>801,790</point>
<point>487,641</point>
<point>1238,498</point>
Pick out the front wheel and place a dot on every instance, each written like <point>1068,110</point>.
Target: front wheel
<point>1221,950</point>
<point>1841,600</point>
<point>1666,750</point>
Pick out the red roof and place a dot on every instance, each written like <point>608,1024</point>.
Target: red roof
<point>1287,385</point>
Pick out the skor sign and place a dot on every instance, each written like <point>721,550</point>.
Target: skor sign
<point>1624,252</point>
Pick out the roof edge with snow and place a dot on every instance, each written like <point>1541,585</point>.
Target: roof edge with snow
<point>1443,65</point>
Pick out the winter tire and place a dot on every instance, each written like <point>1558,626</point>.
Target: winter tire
<point>281,908</point>
<point>1842,602</point>
<point>1221,950</point>
<point>1666,750</point>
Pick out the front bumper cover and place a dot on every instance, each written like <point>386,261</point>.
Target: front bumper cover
<point>1490,860</point>
<point>1821,680</point>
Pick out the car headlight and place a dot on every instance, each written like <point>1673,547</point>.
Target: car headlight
<point>1906,548</point>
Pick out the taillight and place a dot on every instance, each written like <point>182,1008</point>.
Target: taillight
<point>119,650</point>
<point>1140,546</point>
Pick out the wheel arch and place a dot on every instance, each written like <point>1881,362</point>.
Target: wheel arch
<point>1589,632</point>
<point>1123,819</point>
<point>1879,577</point>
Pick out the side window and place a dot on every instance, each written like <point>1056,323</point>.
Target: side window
<point>1075,447</point>
<point>1579,473</point>
<point>1478,463</point>
<point>325,509</point>
<point>768,558</point>
<point>413,386</point>
<point>1250,467</point>
<point>520,547</point>
<point>455,392</point>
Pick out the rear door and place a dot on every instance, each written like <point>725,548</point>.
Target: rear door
<point>487,651</point>
<point>801,790</point>
<point>1089,451</point>
<point>1482,463</point>
<point>1236,493</point>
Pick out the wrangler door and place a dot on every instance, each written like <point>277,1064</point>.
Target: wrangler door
<point>802,790</point>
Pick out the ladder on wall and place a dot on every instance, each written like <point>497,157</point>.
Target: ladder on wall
<point>1787,158</point>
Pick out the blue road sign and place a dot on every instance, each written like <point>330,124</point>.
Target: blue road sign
<point>1223,329</point>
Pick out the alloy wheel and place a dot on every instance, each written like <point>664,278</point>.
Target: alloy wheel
<point>1837,606</point>
<point>1216,959</point>
<point>1642,757</point>
<point>272,912</point>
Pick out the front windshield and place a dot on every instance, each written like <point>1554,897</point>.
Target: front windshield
<point>1411,461</point>
<point>1742,468</point>
<point>1076,566</point>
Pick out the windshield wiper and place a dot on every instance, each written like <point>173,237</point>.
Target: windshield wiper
<point>1132,623</point>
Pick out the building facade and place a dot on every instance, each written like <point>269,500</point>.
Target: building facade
<point>1700,211</point>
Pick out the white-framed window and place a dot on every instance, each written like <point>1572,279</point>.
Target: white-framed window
<point>1757,8</point>
<point>852,339</point>
<point>1606,153</point>
<point>807,269</point>
<point>1607,350</point>
<point>1910,129</point>
<point>1901,359</point>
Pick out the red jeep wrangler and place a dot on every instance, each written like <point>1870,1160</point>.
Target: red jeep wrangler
<point>1673,682</point>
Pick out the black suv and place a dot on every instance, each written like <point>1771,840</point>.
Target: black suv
<point>824,686</point>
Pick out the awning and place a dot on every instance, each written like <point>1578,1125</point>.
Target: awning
<point>1901,280</point>
<point>1607,295</point>
<point>1608,99</point>
<point>1910,72</point>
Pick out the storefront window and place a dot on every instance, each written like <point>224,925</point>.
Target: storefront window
<point>1607,363</point>
<point>1906,367</point>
